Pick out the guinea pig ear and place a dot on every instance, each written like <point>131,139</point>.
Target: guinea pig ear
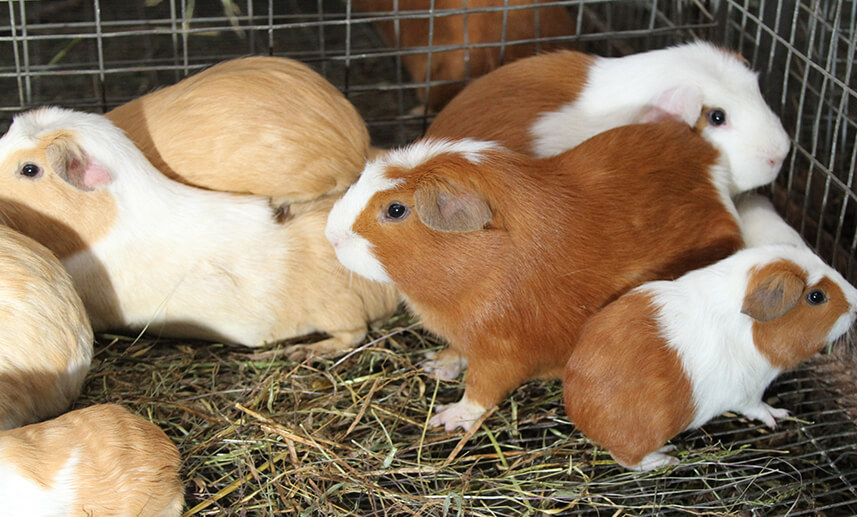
<point>773,295</point>
<point>682,102</point>
<point>72,164</point>
<point>446,207</point>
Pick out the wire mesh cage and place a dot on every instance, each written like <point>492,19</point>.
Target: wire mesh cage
<point>96,54</point>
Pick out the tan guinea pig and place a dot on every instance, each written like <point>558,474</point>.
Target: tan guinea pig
<point>506,256</point>
<point>492,37</point>
<point>99,461</point>
<point>669,356</point>
<point>547,104</point>
<point>149,253</point>
<point>261,125</point>
<point>45,336</point>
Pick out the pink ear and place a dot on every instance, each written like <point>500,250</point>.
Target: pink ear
<point>93,176</point>
<point>74,166</point>
<point>682,102</point>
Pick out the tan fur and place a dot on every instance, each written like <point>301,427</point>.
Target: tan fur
<point>511,124</point>
<point>262,125</point>
<point>623,386</point>
<point>45,335</point>
<point>800,331</point>
<point>567,235</point>
<point>482,28</point>
<point>65,232</point>
<point>125,465</point>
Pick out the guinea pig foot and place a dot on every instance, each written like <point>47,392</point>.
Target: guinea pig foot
<point>463,414</point>
<point>654,460</point>
<point>446,364</point>
<point>327,347</point>
<point>766,414</point>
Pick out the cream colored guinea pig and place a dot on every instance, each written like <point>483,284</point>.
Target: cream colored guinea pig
<point>147,252</point>
<point>269,126</point>
<point>45,336</point>
<point>547,104</point>
<point>669,356</point>
<point>99,461</point>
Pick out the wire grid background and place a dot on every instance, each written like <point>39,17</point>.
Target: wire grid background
<point>96,54</point>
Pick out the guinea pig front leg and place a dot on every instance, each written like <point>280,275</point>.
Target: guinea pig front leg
<point>446,364</point>
<point>766,414</point>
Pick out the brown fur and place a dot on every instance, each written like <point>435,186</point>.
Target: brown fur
<point>262,125</point>
<point>568,234</point>
<point>503,90</point>
<point>799,330</point>
<point>624,388</point>
<point>126,465</point>
<point>482,28</point>
<point>64,232</point>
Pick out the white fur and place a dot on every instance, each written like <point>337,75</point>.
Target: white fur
<point>760,223</point>
<point>619,89</point>
<point>352,250</point>
<point>700,318</point>
<point>24,497</point>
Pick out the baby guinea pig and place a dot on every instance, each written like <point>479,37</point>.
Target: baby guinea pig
<point>669,356</point>
<point>45,336</point>
<point>99,461</point>
<point>546,104</point>
<point>261,125</point>
<point>505,256</point>
<point>494,29</point>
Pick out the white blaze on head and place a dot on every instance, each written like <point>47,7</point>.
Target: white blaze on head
<point>355,251</point>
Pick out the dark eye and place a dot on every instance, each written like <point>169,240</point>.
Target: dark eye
<point>396,211</point>
<point>816,297</point>
<point>31,170</point>
<point>717,117</point>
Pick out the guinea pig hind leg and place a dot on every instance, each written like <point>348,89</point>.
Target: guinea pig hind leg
<point>653,460</point>
<point>766,414</point>
<point>446,364</point>
<point>335,344</point>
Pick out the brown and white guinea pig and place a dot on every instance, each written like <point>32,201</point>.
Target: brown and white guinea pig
<point>505,256</point>
<point>761,224</point>
<point>546,104</point>
<point>45,336</point>
<point>99,461</point>
<point>491,38</point>
<point>261,125</point>
<point>669,356</point>
<point>147,252</point>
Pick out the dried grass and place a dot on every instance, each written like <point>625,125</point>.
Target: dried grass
<point>262,435</point>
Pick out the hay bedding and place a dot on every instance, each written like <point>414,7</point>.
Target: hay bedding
<point>263,435</point>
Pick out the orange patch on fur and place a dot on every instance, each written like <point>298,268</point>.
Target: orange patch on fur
<point>623,386</point>
<point>802,330</point>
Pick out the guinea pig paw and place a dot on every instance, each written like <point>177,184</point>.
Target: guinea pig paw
<point>766,414</point>
<point>463,414</point>
<point>654,460</point>
<point>446,364</point>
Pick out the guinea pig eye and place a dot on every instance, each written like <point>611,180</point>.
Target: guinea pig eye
<point>396,211</point>
<point>31,170</point>
<point>717,117</point>
<point>816,297</point>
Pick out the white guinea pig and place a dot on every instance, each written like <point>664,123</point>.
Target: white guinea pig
<point>761,224</point>
<point>261,125</point>
<point>99,461</point>
<point>669,356</point>
<point>147,252</point>
<point>45,336</point>
<point>550,103</point>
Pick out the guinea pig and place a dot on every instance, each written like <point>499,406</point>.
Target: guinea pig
<point>268,126</point>
<point>546,104</point>
<point>505,256</point>
<point>761,224</point>
<point>45,336</point>
<point>147,252</point>
<point>669,356</point>
<point>492,37</point>
<point>98,461</point>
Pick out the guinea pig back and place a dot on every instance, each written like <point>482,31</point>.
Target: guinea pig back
<point>45,335</point>
<point>98,461</point>
<point>505,256</point>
